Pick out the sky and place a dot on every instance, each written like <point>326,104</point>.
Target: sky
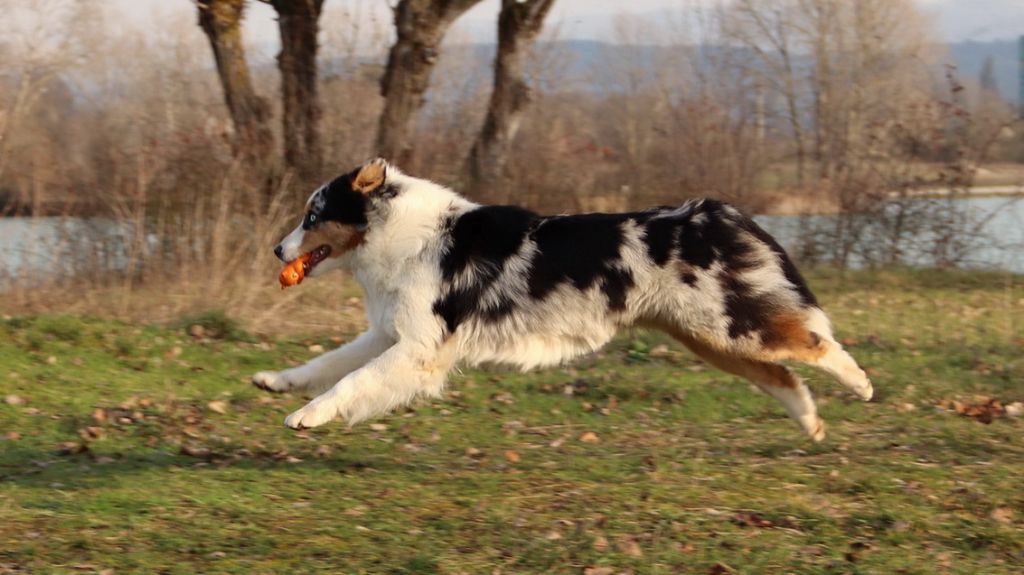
<point>957,20</point>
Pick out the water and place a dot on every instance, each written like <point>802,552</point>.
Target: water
<point>997,242</point>
<point>52,247</point>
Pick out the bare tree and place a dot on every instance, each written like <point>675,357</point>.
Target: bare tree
<point>420,26</point>
<point>298,21</point>
<point>519,22</point>
<point>221,20</point>
<point>36,50</point>
<point>765,29</point>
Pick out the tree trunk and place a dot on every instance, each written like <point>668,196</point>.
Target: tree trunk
<point>221,20</point>
<point>518,25</point>
<point>420,26</point>
<point>298,21</point>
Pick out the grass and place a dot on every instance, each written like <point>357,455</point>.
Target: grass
<point>136,448</point>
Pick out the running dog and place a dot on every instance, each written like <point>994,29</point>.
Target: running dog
<point>449,281</point>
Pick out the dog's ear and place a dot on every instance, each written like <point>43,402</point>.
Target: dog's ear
<point>371,176</point>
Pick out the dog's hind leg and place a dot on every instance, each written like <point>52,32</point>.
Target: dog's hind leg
<point>808,338</point>
<point>774,379</point>
<point>323,371</point>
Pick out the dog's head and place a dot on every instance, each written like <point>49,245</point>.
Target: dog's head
<point>335,219</point>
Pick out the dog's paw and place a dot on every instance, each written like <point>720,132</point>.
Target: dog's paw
<point>315,413</point>
<point>817,433</point>
<point>866,391</point>
<point>271,381</point>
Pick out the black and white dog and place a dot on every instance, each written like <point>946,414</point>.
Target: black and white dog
<point>450,281</point>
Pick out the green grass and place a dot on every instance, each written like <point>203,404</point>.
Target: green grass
<point>119,457</point>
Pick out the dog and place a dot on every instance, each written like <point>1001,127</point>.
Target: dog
<point>449,281</point>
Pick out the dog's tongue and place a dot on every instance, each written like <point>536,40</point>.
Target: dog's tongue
<point>294,271</point>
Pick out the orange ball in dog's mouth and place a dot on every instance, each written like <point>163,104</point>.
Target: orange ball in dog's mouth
<point>296,270</point>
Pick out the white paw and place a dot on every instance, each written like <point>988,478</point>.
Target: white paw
<point>815,429</point>
<point>271,381</point>
<point>315,413</point>
<point>818,432</point>
<point>864,390</point>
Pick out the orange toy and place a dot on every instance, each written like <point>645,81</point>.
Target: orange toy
<point>294,272</point>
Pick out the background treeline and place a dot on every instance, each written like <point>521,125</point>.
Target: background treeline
<point>786,106</point>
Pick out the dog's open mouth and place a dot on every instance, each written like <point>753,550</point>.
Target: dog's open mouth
<point>316,256</point>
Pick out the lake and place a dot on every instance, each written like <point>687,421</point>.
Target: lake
<point>998,221</point>
<point>48,246</point>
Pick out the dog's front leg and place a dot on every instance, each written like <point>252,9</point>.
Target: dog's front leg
<point>399,375</point>
<point>325,370</point>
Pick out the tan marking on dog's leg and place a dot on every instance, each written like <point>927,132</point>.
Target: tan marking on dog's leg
<point>774,379</point>
<point>789,337</point>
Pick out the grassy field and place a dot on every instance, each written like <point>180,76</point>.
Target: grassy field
<point>143,449</point>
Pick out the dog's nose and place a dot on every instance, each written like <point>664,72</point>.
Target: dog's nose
<point>279,252</point>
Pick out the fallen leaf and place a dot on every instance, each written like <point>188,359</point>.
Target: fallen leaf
<point>194,451</point>
<point>751,519</point>
<point>99,415</point>
<point>512,456</point>
<point>12,436</point>
<point>1002,515</point>
<point>71,448</point>
<point>91,432</point>
<point>474,453</point>
<point>1015,409</point>
<point>378,427</point>
<point>984,409</point>
<point>218,406</point>
<point>14,400</point>
<point>600,544</point>
<point>661,350</point>
<point>598,571</point>
<point>720,569</point>
<point>590,437</point>
<point>629,546</point>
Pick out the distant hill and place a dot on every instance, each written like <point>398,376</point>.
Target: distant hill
<point>583,60</point>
